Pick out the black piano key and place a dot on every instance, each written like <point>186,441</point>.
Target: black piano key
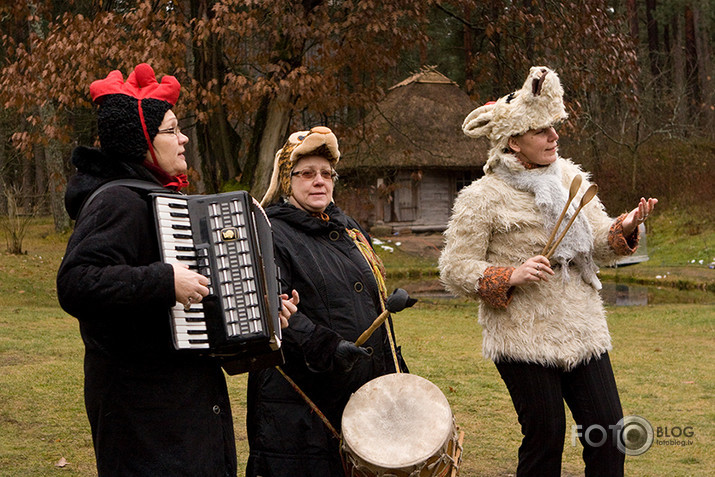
<point>198,342</point>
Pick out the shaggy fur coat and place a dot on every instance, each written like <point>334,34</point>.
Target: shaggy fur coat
<point>559,323</point>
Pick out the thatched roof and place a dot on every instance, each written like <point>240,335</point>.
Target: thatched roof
<point>417,124</point>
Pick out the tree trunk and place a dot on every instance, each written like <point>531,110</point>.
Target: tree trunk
<point>41,186</point>
<point>28,193</point>
<point>678,61</point>
<point>218,142</point>
<point>194,157</point>
<point>632,8</point>
<point>691,64</point>
<point>653,43</point>
<point>468,53</point>
<point>56,179</point>
<point>704,62</point>
<point>51,156</point>
<point>269,137</point>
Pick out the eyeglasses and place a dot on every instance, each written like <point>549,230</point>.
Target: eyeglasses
<point>309,174</point>
<point>175,130</point>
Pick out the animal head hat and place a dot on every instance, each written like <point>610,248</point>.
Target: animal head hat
<point>319,141</point>
<point>538,104</point>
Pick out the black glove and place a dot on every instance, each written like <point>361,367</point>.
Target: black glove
<point>347,354</point>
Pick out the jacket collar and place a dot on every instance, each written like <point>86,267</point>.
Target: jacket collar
<point>302,220</point>
<point>94,168</point>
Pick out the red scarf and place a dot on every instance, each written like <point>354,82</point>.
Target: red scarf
<point>177,182</point>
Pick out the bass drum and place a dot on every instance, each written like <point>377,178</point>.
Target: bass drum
<point>400,425</point>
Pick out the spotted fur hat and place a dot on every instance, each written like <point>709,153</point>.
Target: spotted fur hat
<point>319,141</point>
<point>538,104</point>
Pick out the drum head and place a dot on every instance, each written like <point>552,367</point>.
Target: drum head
<point>397,420</point>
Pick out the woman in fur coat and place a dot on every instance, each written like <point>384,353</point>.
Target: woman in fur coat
<point>543,320</point>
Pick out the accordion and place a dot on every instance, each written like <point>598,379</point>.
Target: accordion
<point>228,239</point>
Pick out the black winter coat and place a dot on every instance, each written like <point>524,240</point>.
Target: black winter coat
<point>152,410</point>
<point>338,300</point>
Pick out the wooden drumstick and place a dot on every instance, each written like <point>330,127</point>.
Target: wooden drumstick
<point>375,325</point>
<point>397,301</point>
<point>573,190</point>
<point>587,196</point>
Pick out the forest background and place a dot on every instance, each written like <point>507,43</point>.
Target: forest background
<point>637,74</point>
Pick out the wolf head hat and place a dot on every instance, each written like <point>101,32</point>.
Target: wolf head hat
<point>538,104</point>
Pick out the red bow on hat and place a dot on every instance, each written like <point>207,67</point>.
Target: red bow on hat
<point>140,84</point>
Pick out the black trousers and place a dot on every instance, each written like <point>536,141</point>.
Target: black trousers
<point>538,393</point>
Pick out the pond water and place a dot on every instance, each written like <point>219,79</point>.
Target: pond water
<point>613,294</point>
<point>621,294</point>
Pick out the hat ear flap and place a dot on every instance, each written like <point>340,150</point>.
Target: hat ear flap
<point>273,188</point>
<point>478,122</point>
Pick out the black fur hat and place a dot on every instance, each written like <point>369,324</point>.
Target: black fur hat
<point>121,135</point>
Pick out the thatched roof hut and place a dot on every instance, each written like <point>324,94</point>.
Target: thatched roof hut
<point>417,125</point>
<point>413,159</point>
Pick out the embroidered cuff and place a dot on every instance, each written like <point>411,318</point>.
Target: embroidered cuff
<point>494,286</point>
<point>621,244</point>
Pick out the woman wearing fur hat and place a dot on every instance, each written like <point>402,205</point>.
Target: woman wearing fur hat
<point>543,321</point>
<point>328,259</point>
<point>152,412</point>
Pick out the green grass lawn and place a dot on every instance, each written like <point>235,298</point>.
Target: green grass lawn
<point>663,360</point>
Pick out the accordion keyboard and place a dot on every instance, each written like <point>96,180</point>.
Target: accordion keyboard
<point>177,244</point>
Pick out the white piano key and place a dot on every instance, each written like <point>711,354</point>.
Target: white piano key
<point>190,321</point>
<point>180,255</point>
<point>170,242</point>
<point>197,309</point>
<point>184,341</point>
<point>183,327</point>
<point>190,263</point>
<point>166,216</point>
<point>168,201</point>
